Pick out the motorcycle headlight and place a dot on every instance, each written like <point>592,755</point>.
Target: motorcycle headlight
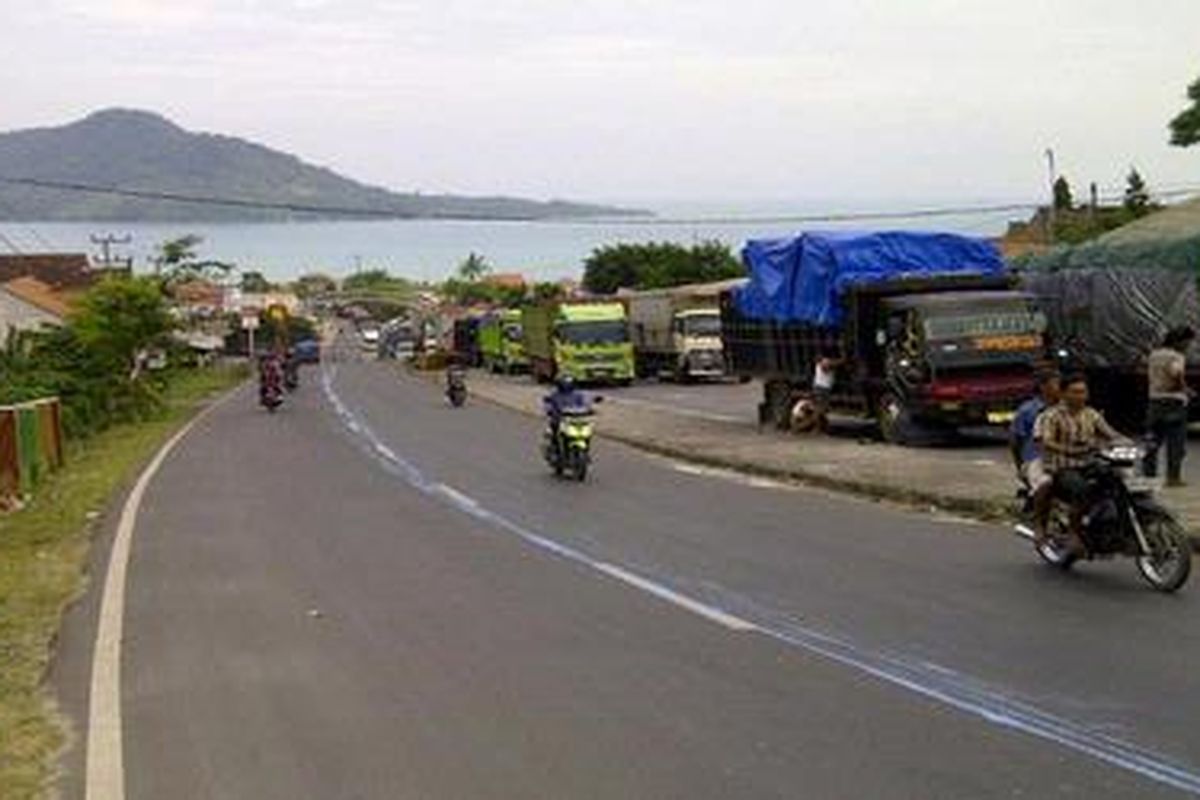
<point>1124,454</point>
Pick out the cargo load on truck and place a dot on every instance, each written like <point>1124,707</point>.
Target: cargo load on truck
<point>588,340</point>
<point>676,332</point>
<point>1105,321</point>
<point>911,329</point>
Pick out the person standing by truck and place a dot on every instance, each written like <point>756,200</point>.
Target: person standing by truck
<point>1167,417</point>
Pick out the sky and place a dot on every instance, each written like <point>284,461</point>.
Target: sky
<point>654,102</point>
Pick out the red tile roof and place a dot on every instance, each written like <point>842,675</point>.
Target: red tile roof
<point>58,270</point>
<point>39,295</point>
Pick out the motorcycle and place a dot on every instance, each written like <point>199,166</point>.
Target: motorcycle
<point>456,387</point>
<point>569,450</point>
<point>270,395</point>
<point>1122,518</point>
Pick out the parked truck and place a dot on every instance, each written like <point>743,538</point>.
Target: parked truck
<point>676,332</point>
<point>587,340</point>
<point>1104,322</point>
<point>916,329</point>
<point>466,348</point>
<point>502,342</point>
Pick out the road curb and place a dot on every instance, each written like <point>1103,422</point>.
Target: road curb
<point>996,509</point>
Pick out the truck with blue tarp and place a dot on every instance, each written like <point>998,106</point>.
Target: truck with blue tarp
<point>913,330</point>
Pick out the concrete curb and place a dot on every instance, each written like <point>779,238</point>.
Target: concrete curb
<point>996,509</point>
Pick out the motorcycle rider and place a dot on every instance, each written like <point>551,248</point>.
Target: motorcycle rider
<point>1069,434</point>
<point>566,396</point>
<point>1027,455</point>
<point>270,374</point>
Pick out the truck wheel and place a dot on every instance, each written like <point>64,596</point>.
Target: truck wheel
<point>806,416</point>
<point>778,402</point>
<point>894,419</point>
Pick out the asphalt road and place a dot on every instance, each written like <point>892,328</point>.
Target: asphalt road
<point>372,595</point>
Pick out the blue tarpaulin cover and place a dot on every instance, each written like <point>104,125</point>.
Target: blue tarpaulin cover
<point>804,278</point>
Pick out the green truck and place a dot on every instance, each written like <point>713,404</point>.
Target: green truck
<point>502,343</point>
<point>587,340</point>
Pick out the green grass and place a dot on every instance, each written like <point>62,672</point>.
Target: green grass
<point>43,554</point>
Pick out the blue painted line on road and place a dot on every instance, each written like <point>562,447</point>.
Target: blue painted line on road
<point>934,682</point>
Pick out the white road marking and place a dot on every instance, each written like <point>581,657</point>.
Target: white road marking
<point>457,496</point>
<point>663,593</point>
<point>935,682</point>
<point>105,776</point>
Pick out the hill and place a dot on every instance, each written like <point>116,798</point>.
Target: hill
<point>141,151</point>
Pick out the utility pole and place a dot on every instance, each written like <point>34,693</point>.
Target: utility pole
<point>1050,216</point>
<point>105,244</point>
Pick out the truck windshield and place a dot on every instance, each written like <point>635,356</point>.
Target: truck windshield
<point>598,332</point>
<point>702,325</point>
<point>983,323</point>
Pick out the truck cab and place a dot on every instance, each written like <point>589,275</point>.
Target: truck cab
<point>502,342</point>
<point>957,357</point>
<point>697,343</point>
<point>587,340</point>
<point>591,343</point>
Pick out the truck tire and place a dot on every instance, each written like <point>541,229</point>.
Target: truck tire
<point>894,418</point>
<point>777,404</point>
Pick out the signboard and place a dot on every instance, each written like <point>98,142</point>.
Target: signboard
<point>250,323</point>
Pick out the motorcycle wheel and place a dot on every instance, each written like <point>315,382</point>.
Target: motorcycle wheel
<point>579,465</point>
<point>1167,568</point>
<point>1054,551</point>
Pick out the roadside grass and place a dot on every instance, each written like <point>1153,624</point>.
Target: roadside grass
<point>43,556</point>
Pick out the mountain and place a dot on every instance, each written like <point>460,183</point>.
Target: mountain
<point>144,152</point>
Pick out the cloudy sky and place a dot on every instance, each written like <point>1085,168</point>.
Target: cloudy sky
<point>719,101</point>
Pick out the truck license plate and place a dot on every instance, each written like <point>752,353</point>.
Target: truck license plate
<point>1001,417</point>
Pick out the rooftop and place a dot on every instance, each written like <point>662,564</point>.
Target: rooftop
<point>39,295</point>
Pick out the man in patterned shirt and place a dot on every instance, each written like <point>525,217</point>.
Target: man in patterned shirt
<point>1070,433</point>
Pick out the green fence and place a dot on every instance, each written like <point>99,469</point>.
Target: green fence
<point>31,445</point>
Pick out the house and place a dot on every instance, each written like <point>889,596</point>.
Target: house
<point>29,304</point>
<point>62,272</point>
<point>505,280</point>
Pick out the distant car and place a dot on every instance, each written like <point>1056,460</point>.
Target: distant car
<point>308,351</point>
<point>370,338</point>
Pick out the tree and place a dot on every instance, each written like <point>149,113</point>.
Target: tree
<point>377,281</point>
<point>314,284</point>
<point>546,291</point>
<point>177,262</point>
<point>1185,128</point>
<point>1137,196</point>
<point>119,319</point>
<point>255,283</point>
<point>473,268</point>
<point>657,265</point>
<point>1063,201</point>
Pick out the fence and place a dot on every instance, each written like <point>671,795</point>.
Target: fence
<point>31,445</point>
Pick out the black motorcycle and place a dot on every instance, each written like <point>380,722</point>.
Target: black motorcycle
<point>1121,517</point>
<point>456,387</point>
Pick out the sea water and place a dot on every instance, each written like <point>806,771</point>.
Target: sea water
<point>432,249</point>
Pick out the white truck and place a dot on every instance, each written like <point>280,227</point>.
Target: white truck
<point>676,332</point>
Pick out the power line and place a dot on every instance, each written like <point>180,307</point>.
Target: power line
<point>235,202</point>
<point>10,244</point>
<point>772,219</point>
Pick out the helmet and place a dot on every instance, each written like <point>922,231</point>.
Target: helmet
<point>565,383</point>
